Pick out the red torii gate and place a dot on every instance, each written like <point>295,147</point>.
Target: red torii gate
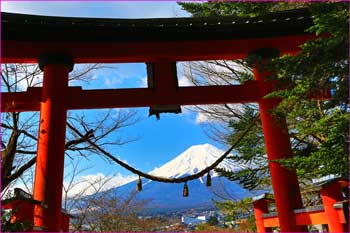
<point>56,43</point>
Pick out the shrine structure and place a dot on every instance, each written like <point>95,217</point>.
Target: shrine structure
<point>57,43</point>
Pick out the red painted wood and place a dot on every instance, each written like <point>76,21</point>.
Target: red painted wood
<point>305,219</point>
<point>28,52</point>
<point>50,156</point>
<point>65,218</point>
<point>21,101</point>
<point>311,218</point>
<point>146,97</point>
<point>165,83</point>
<point>260,208</point>
<point>49,167</point>
<point>271,222</point>
<point>136,97</point>
<point>284,182</point>
<point>139,97</point>
<point>24,212</point>
<point>330,194</point>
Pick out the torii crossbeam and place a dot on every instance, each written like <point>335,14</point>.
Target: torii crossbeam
<point>56,43</point>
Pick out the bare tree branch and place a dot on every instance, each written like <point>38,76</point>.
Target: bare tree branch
<point>19,131</point>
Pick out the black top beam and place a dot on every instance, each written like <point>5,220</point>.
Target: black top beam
<point>21,27</point>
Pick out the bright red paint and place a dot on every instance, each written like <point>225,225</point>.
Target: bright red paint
<point>135,97</point>
<point>54,96</point>
<point>284,182</point>
<point>51,144</point>
<point>24,210</point>
<point>330,194</point>
<point>334,217</point>
<point>261,207</point>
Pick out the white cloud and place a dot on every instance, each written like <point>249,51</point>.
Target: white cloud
<point>183,81</point>
<point>222,114</point>
<point>223,69</point>
<point>83,185</point>
<point>202,118</point>
<point>89,184</point>
<point>112,82</point>
<point>144,82</point>
<point>21,77</point>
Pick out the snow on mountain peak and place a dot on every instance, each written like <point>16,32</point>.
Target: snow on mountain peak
<point>193,160</point>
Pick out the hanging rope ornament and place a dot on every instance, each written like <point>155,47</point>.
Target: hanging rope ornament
<point>208,180</point>
<point>164,179</point>
<point>185,191</point>
<point>139,184</point>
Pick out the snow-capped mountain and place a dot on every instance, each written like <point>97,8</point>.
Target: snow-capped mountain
<point>168,197</point>
<point>193,160</point>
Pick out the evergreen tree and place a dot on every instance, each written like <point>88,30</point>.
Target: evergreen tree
<point>318,128</point>
<point>213,221</point>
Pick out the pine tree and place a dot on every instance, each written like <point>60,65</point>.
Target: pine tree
<point>318,128</point>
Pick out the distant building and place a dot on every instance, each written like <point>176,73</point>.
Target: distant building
<point>194,220</point>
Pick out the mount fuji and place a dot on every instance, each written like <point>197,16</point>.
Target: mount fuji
<point>168,197</point>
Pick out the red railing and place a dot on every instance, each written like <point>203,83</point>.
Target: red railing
<point>332,212</point>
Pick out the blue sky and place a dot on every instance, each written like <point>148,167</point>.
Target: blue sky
<point>98,9</point>
<point>159,141</point>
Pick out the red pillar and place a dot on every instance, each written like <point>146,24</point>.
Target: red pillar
<point>162,78</point>
<point>260,208</point>
<point>332,193</point>
<point>51,143</point>
<point>284,182</point>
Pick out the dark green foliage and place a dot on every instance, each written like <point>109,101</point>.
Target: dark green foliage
<point>250,148</point>
<point>241,9</point>
<point>8,226</point>
<point>318,128</point>
<point>251,152</point>
<point>213,221</point>
<point>235,209</point>
<point>238,209</point>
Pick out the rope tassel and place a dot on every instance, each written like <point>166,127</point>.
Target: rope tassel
<point>185,191</point>
<point>139,184</point>
<point>208,180</point>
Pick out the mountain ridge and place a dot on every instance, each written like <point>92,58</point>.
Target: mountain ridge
<point>193,160</point>
<point>168,197</point>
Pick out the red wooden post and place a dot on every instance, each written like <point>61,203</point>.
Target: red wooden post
<point>284,182</point>
<point>332,193</point>
<point>261,207</point>
<point>65,222</point>
<point>52,133</point>
<point>162,78</point>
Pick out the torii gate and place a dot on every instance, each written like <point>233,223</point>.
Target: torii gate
<point>57,43</point>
